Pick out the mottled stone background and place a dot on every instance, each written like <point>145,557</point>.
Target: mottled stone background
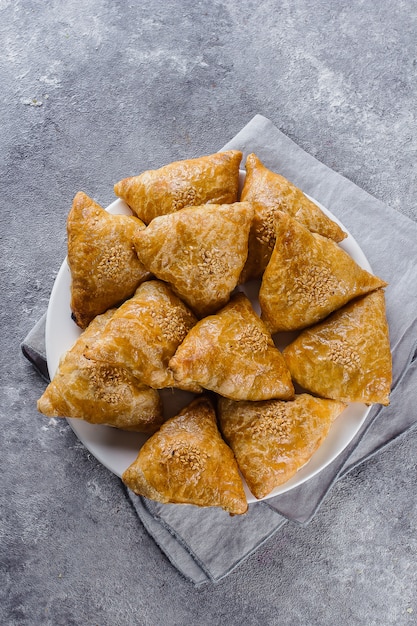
<point>95,91</point>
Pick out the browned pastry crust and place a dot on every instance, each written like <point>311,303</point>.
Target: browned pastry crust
<point>211,179</point>
<point>308,277</point>
<point>199,251</point>
<point>346,357</point>
<point>144,333</point>
<point>273,439</point>
<point>233,354</point>
<point>105,269</point>
<point>187,462</point>
<point>271,192</point>
<point>260,243</point>
<point>100,393</point>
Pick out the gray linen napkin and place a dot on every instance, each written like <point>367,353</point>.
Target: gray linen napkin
<point>206,544</point>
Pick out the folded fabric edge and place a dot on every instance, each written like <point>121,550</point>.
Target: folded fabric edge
<point>268,126</point>
<point>38,362</point>
<point>210,576</point>
<point>178,555</point>
<point>33,348</point>
<point>377,450</point>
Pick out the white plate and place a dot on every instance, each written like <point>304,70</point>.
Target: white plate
<point>117,449</point>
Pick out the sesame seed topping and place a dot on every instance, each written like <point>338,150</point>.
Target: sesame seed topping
<point>211,262</point>
<point>185,197</point>
<point>343,354</point>
<point>272,422</point>
<point>173,322</point>
<point>110,265</point>
<point>313,286</point>
<point>252,338</point>
<point>186,454</point>
<point>105,380</point>
<point>265,230</point>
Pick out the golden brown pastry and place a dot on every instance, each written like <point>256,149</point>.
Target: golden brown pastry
<point>273,439</point>
<point>233,354</point>
<point>271,192</point>
<point>308,277</point>
<point>100,393</point>
<point>347,356</point>
<point>199,251</point>
<point>212,179</point>
<point>105,269</point>
<point>260,243</point>
<point>187,462</point>
<point>144,333</point>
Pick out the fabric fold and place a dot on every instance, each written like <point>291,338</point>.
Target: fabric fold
<point>206,544</point>
<point>33,348</point>
<point>194,530</point>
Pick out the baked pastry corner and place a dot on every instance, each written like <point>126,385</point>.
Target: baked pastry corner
<point>187,462</point>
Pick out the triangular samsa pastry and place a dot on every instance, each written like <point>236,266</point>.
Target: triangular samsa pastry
<point>272,192</point>
<point>187,462</point>
<point>346,357</point>
<point>100,393</point>
<point>308,277</point>
<point>273,439</point>
<point>212,179</point>
<point>144,334</point>
<point>199,251</point>
<point>105,269</point>
<point>233,354</point>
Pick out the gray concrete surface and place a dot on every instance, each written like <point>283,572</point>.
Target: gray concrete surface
<point>92,92</point>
